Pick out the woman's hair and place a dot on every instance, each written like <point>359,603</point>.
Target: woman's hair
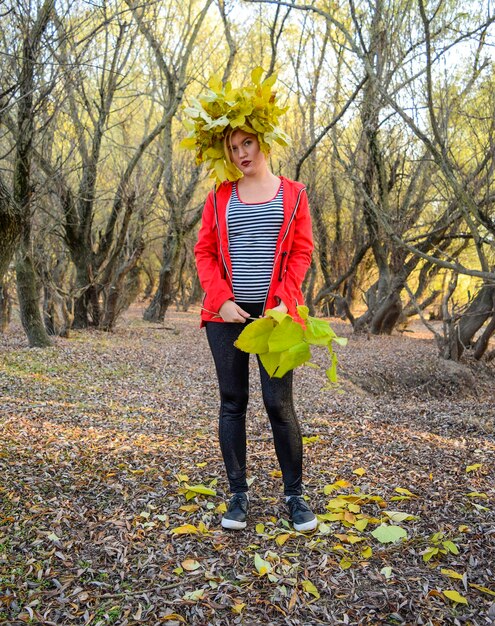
<point>227,143</point>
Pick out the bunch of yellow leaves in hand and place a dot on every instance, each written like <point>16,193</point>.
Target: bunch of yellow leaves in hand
<point>283,343</point>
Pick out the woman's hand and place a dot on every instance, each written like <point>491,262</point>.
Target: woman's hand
<point>230,312</point>
<point>280,307</point>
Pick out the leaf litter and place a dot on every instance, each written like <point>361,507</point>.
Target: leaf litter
<point>112,487</point>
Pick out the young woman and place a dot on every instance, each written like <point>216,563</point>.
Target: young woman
<point>253,251</point>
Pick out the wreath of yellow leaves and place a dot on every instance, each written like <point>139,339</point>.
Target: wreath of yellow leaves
<point>251,108</point>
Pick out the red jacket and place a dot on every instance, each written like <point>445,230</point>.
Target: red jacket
<point>292,253</point>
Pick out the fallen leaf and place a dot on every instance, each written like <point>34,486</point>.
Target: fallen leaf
<point>473,468</point>
<point>186,529</point>
<point>308,586</point>
<point>455,596</point>
<point>389,534</point>
<point>360,471</point>
<point>190,565</point>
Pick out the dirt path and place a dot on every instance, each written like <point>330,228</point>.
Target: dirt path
<point>105,436</point>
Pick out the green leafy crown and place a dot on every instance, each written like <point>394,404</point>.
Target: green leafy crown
<point>251,108</point>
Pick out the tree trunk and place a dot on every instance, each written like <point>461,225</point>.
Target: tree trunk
<point>482,343</point>
<point>163,297</point>
<point>5,306</point>
<point>10,227</point>
<point>461,334</point>
<point>196,291</point>
<point>27,288</point>
<point>480,309</point>
<point>29,300</point>
<point>86,305</point>
<point>387,315</point>
<point>113,304</point>
<point>309,287</point>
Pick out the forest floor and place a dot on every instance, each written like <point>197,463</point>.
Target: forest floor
<point>108,440</point>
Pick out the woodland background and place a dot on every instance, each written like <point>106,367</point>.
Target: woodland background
<point>112,484</point>
<point>392,120</point>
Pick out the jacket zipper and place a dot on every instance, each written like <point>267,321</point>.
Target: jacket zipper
<point>280,274</point>
<point>220,240</point>
<point>280,247</point>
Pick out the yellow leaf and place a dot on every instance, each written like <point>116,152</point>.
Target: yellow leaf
<point>189,143</point>
<point>260,529</point>
<point>293,599</point>
<point>201,464</point>
<point>405,492</point>
<point>190,565</point>
<point>455,596</point>
<point>345,562</point>
<point>201,489</point>
<point>451,573</point>
<point>399,516</point>
<point>483,589</point>
<point>173,617</point>
<point>464,529</point>
<point>360,471</point>
<point>238,607</point>
<point>276,474</point>
<point>221,508</point>
<point>281,539</point>
<point>256,75</point>
<point>189,508</point>
<point>367,552</point>
<point>308,586</point>
<point>254,338</point>
<point>261,565</point>
<point>337,503</point>
<point>355,539</point>
<point>197,594</point>
<point>349,517</point>
<point>338,547</point>
<point>331,517</point>
<point>182,478</point>
<point>186,529</point>
<point>348,538</point>
<point>310,440</point>
<point>473,468</point>
<point>215,83</point>
<point>477,494</point>
<point>361,524</point>
<point>339,484</point>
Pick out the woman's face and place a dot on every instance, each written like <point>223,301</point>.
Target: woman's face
<point>245,153</point>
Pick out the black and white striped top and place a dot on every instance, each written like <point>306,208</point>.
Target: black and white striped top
<point>253,232</point>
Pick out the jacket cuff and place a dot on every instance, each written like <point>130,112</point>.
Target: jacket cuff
<point>283,295</point>
<point>221,295</point>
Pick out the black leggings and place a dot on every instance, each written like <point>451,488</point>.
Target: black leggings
<point>232,367</point>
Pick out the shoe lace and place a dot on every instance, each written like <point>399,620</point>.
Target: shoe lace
<point>297,504</point>
<point>238,501</point>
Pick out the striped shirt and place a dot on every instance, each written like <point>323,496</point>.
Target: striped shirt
<point>253,232</point>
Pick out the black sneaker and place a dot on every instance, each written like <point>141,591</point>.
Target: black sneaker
<point>235,517</point>
<point>301,515</point>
